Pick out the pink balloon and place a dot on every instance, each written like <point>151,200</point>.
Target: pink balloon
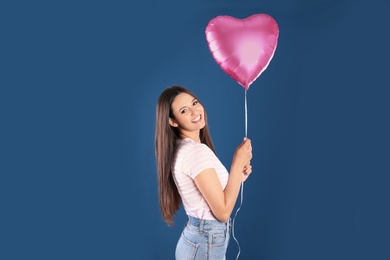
<point>243,48</point>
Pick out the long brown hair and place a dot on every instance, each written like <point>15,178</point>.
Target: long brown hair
<point>165,148</point>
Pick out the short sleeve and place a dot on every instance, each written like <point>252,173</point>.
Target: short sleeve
<point>197,159</point>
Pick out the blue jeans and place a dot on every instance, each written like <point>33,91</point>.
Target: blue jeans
<point>203,239</point>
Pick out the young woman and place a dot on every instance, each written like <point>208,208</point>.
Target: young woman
<point>190,172</point>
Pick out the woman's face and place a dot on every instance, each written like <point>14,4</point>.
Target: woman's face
<point>188,114</point>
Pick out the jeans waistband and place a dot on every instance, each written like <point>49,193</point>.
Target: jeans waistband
<point>205,224</point>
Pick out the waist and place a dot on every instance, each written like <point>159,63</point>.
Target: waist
<point>208,224</point>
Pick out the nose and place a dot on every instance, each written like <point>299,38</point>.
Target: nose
<point>192,110</point>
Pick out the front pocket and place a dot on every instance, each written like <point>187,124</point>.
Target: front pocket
<point>218,239</point>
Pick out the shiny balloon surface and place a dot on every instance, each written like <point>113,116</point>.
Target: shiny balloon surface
<point>243,48</point>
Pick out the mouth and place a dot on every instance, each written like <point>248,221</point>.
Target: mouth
<point>197,119</point>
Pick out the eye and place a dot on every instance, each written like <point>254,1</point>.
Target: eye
<point>195,102</point>
<point>183,111</point>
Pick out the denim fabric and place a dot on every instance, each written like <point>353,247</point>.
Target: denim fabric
<point>203,240</point>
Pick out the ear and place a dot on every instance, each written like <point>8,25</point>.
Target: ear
<point>173,122</point>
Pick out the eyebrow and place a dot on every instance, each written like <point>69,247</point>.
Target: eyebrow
<point>186,106</point>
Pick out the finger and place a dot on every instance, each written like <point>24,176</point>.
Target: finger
<point>246,139</point>
<point>242,144</point>
<point>248,168</point>
<point>248,172</point>
<point>246,143</point>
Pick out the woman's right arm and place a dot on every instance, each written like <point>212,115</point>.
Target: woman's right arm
<point>222,201</point>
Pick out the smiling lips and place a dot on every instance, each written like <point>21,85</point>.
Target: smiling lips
<point>196,120</point>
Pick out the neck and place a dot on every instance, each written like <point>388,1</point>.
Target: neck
<point>193,136</point>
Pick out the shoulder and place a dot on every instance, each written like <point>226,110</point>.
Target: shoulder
<point>195,157</point>
<point>188,146</point>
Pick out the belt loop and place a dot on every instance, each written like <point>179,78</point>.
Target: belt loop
<point>201,225</point>
<point>228,225</point>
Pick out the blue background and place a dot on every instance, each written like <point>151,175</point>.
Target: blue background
<point>78,86</point>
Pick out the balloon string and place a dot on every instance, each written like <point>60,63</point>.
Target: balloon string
<point>242,196</point>
<point>242,181</point>
<point>246,117</point>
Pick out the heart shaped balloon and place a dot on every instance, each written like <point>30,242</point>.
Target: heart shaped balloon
<point>243,48</point>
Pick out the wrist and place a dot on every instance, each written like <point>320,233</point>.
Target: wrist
<point>235,167</point>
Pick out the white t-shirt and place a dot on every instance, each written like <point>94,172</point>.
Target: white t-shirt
<point>190,160</point>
